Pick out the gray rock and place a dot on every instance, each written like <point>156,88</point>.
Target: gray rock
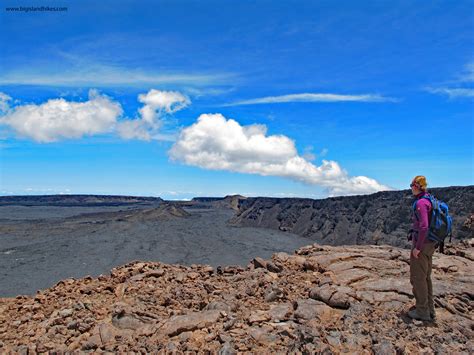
<point>259,263</point>
<point>334,338</point>
<point>273,294</point>
<point>309,309</point>
<point>227,349</point>
<point>385,347</point>
<point>230,323</point>
<point>124,320</point>
<point>66,312</point>
<point>262,335</point>
<point>273,267</point>
<point>218,305</point>
<point>280,312</point>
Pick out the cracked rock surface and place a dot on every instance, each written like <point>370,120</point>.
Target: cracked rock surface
<point>319,299</point>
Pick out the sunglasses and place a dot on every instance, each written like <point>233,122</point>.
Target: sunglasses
<point>413,184</point>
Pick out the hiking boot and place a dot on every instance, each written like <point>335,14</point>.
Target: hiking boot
<point>415,315</point>
<point>433,315</point>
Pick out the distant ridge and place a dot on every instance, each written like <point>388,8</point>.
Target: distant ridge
<point>379,218</point>
<point>207,199</point>
<point>229,201</point>
<point>76,200</point>
<point>212,199</point>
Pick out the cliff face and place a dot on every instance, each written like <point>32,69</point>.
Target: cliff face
<point>320,299</point>
<point>380,218</point>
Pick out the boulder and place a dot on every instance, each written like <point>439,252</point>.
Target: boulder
<point>334,296</point>
<point>309,309</point>
<point>196,320</point>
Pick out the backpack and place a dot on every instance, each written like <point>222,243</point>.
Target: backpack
<point>440,221</point>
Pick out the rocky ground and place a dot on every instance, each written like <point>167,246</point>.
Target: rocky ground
<point>320,299</point>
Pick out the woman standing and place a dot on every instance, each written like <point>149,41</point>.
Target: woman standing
<point>422,251</point>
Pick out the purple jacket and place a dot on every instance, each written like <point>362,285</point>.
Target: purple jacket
<point>422,223</point>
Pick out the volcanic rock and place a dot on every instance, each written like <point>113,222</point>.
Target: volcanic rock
<point>355,301</point>
<point>380,218</point>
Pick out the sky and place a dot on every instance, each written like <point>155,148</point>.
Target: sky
<point>179,99</point>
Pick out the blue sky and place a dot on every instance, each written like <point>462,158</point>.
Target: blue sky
<point>185,98</point>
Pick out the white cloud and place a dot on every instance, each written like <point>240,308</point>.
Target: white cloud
<point>156,104</point>
<point>309,97</point>
<point>217,143</point>
<point>453,93</point>
<point>59,119</point>
<point>96,75</point>
<point>74,71</point>
<point>209,91</point>
<point>156,100</point>
<point>459,87</point>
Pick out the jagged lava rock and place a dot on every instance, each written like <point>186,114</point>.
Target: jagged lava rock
<point>327,299</point>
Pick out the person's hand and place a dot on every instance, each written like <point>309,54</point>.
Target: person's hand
<point>416,253</point>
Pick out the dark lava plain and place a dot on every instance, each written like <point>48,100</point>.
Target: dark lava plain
<point>41,245</point>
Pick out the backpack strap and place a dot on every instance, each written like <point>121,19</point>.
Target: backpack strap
<point>414,210</point>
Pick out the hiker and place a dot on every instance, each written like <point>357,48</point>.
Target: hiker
<point>421,255</point>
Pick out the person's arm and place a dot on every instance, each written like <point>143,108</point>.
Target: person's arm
<point>422,210</point>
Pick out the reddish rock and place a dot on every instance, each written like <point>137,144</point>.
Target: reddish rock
<point>309,309</point>
<point>197,320</point>
<point>324,299</point>
<point>258,317</point>
<point>334,296</point>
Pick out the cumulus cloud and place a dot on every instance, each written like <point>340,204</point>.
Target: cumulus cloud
<point>311,97</point>
<point>59,119</point>
<point>217,143</point>
<point>168,101</point>
<point>156,104</point>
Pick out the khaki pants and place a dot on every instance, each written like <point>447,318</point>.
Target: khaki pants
<point>420,278</point>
